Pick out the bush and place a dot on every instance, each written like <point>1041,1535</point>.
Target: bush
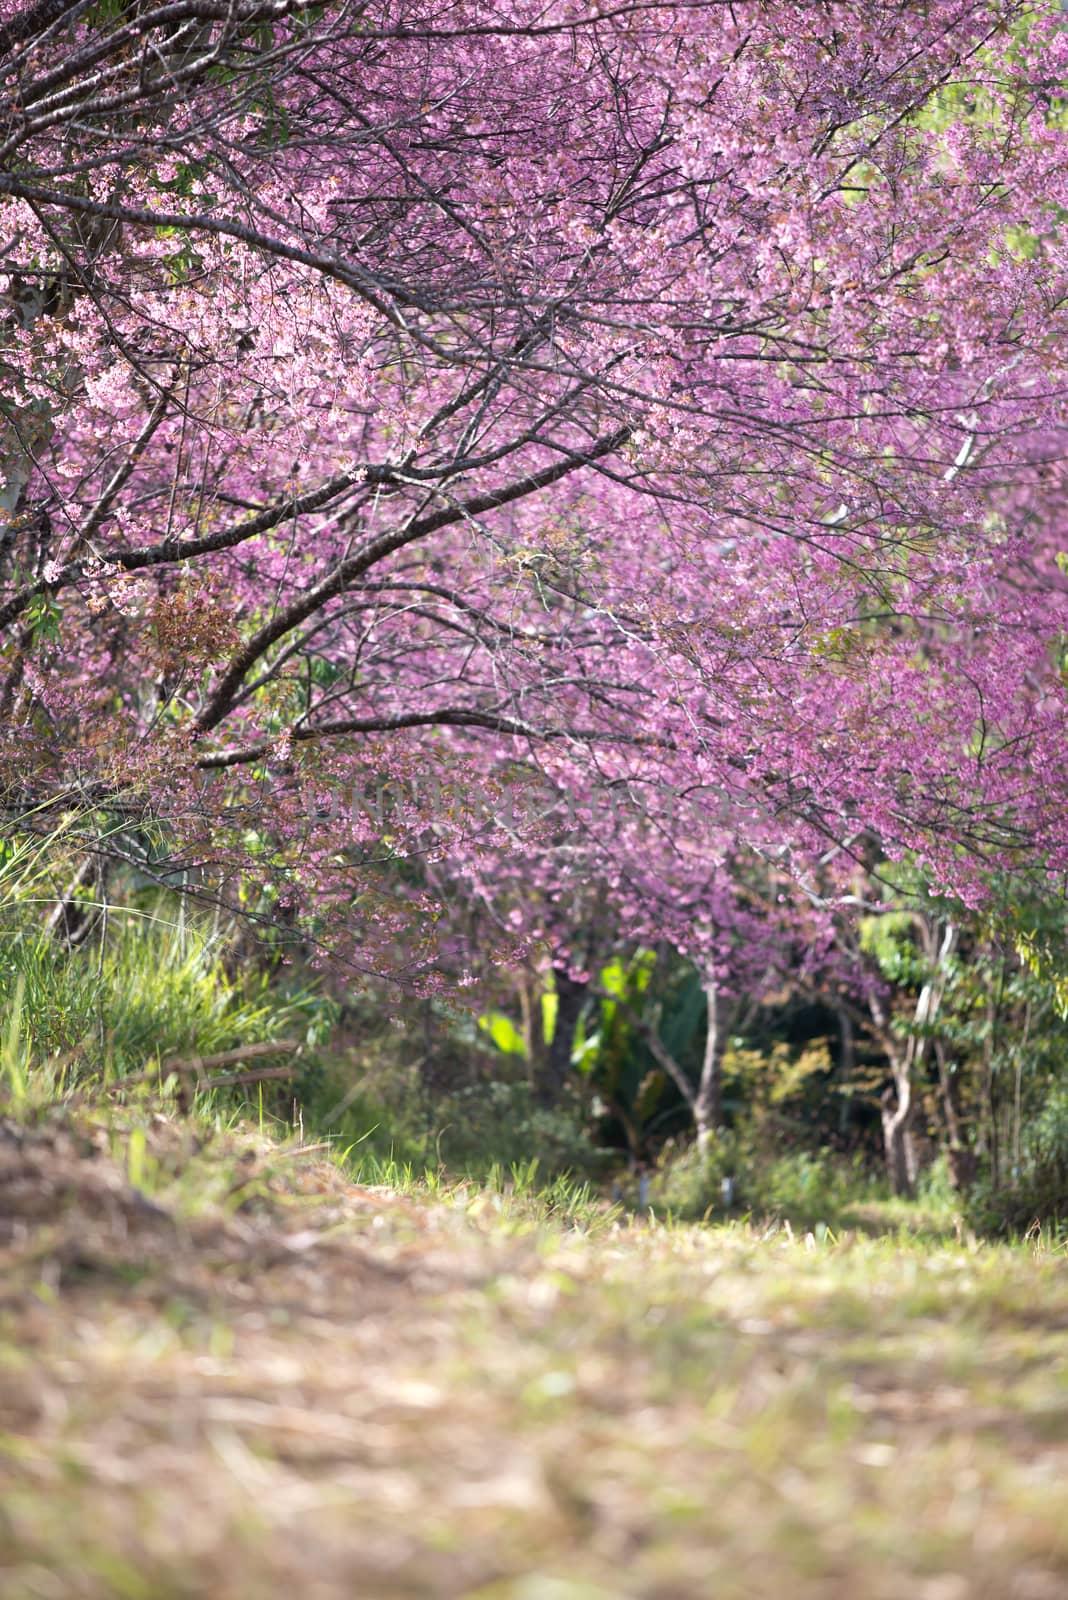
<point>1038,1192</point>
<point>499,1123</point>
<point>691,1186</point>
<point>936,1187</point>
<point>801,1186</point>
<point>374,1096</point>
<point>809,1188</point>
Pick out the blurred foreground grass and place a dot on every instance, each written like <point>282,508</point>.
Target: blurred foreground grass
<point>227,1371</point>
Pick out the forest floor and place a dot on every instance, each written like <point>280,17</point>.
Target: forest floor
<point>227,1372</point>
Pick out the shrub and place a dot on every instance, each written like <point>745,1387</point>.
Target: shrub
<point>499,1123</point>
<point>803,1186</point>
<point>1038,1191</point>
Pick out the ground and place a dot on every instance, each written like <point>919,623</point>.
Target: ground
<point>228,1372</point>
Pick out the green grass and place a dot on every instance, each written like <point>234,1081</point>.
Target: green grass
<point>156,989</point>
<point>152,981</point>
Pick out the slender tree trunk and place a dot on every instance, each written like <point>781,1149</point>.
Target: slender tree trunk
<point>708,1102</point>
<point>570,999</point>
<point>847,1065</point>
<point>533,1021</point>
<point>1017,1097</point>
<point>899,1104</point>
<point>962,1160</point>
<point>946,1090</point>
<point>897,1112</point>
<point>989,1133</point>
<point>896,1102</point>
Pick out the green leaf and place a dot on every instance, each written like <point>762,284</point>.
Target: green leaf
<point>504,1033</point>
<point>549,1006</point>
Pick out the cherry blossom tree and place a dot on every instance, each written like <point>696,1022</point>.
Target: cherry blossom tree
<point>656,395</point>
<point>627,877</point>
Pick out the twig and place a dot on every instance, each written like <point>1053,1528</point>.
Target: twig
<point>269,1047</point>
<point>301,1150</point>
<point>259,1076</point>
<point>200,1064</point>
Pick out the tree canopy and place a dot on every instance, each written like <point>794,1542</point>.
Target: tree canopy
<point>654,399</point>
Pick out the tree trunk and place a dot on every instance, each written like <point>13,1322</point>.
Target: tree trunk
<point>897,1112</point>
<point>847,1066</point>
<point>988,1127</point>
<point>708,1102</point>
<point>570,999</point>
<point>898,1103</point>
<point>71,918</point>
<point>1017,1097</point>
<point>946,1087</point>
<point>530,1007</point>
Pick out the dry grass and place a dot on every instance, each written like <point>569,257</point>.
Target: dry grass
<point>243,1377</point>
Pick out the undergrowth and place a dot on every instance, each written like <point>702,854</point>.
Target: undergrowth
<point>155,988</point>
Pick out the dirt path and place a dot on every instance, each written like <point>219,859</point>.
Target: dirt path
<point>243,1377</point>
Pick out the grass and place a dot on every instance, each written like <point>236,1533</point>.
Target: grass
<point>154,989</point>
<point>152,982</point>
<point>230,1368</point>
